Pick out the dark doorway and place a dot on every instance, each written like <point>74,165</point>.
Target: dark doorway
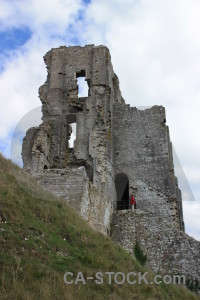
<point>122,189</point>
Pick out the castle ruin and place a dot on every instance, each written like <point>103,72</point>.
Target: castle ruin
<point>119,150</point>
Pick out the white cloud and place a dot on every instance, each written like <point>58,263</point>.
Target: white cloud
<point>24,69</point>
<point>18,91</point>
<point>52,16</point>
<point>191,218</point>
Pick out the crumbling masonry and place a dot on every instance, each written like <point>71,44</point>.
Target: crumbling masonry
<point>119,150</point>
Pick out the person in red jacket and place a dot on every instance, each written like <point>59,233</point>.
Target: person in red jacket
<point>133,202</point>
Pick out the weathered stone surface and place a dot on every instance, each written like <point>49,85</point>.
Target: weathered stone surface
<point>168,250</point>
<point>46,148</point>
<point>68,183</point>
<point>142,150</point>
<point>119,150</point>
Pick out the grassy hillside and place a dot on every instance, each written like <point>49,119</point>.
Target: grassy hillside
<point>41,238</point>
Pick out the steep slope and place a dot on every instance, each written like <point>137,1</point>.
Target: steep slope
<point>41,238</point>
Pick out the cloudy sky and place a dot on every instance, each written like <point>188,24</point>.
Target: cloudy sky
<point>155,49</point>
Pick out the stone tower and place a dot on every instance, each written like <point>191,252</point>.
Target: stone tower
<point>88,167</point>
<point>119,150</point>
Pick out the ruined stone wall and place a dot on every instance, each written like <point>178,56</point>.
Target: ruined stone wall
<point>72,185</point>
<point>96,208</point>
<point>111,136</point>
<point>112,139</point>
<point>68,184</point>
<point>142,151</point>
<point>168,250</point>
<point>150,200</point>
<point>47,146</point>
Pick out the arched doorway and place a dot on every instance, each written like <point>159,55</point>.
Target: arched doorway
<point>122,189</point>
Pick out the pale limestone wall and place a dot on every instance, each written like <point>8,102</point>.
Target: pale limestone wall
<point>168,250</point>
<point>96,209</point>
<point>142,151</point>
<point>68,183</point>
<point>151,200</point>
<point>73,185</point>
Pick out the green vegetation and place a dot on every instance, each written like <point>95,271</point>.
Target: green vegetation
<point>193,285</point>
<point>41,238</point>
<point>139,254</point>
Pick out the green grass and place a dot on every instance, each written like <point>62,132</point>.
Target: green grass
<point>41,238</point>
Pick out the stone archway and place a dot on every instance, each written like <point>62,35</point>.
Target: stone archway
<point>122,190</point>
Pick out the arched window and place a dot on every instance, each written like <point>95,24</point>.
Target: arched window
<point>122,189</point>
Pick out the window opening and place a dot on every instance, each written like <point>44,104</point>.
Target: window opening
<point>82,84</point>
<point>73,135</point>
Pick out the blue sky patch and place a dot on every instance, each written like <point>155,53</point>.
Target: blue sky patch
<point>5,147</point>
<point>12,39</point>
